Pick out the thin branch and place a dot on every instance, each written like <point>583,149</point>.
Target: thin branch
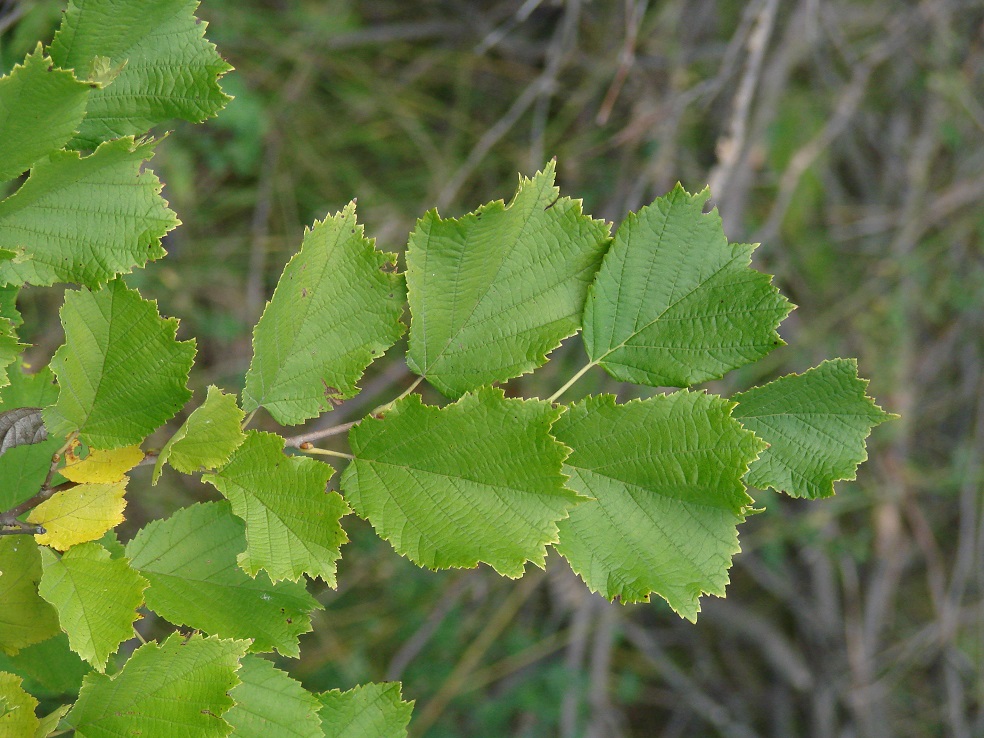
<point>570,382</point>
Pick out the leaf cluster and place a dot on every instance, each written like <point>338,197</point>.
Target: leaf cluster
<point>643,497</point>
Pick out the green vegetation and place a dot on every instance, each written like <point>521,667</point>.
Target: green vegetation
<point>640,496</point>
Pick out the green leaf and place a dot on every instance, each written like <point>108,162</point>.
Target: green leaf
<point>17,718</point>
<point>23,469</point>
<point>10,349</point>
<point>476,481</point>
<point>207,438</point>
<point>190,561</point>
<point>25,618</point>
<point>50,668</point>
<point>40,110</point>
<point>171,70</point>
<point>8,304</point>
<point>270,703</point>
<point>48,724</point>
<point>292,522</point>
<point>375,710</point>
<point>491,293</point>
<point>666,477</point>
<point>178,688</point>
<point>96,598</point>
<point>121,371</point>
<point>674,303</point>
<point>85,219</point>
<point>815,424</point>
<point>335,309</point>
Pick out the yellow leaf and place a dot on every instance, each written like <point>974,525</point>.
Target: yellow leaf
<point>79,514</point>
<point>101,467</point>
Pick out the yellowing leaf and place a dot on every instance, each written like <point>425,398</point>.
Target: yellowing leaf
<point>79,514</point>
<point>103,467</point>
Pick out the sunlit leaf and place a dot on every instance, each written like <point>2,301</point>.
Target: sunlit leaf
<point>665,474</point>
<point>162,65</point>
<point>493,292</point>
<point>476,481</point>
<point>96,598</point>
<point>674,303</point>
<point>81,513</point>
<point>177,688</point>
<point>40,110</point>
<point>270,703</point>
<point>87,219</point>
<point>815,424</point>
<point>121,371</point>
<point>375,710</point>
<point>336,308</point>
<point>207,438</point>
<point>292,521</point>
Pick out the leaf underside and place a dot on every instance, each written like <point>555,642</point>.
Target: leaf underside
<point>25,619</point>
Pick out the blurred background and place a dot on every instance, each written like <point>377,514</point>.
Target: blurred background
<point>846,137</point>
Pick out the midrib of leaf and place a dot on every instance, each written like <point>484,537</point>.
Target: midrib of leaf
<point>488,285</point>
<point>660,316</point>
<point>668,537</point>
<point>435,503</point>
<point>307,307</point>
<point>67,574</point>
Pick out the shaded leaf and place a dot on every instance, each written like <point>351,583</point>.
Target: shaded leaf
<point>375,710</point>
<point>476,481</point>
<point>292,521</point>
<point>207,438</point>
<point>22,426</point>
<point>674,303</point>
<point>665,474</point>
<point>48,724</point>
<point>270,703</point>
<point>108,393</point>
<point>40,110</point>
<point>79,514</point>
<point>171,70</point>
<point>23,469</point>
<point>335,309</point>
<point>85,219</point>
<point>96,598</point>
<point>815,424</point>
<point>50,668</point>
<point>181,684</point>
<point>25,618</point>
<point>491,293</point>
<point>190,561</point>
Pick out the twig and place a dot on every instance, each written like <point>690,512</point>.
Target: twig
<point>731,146</point>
